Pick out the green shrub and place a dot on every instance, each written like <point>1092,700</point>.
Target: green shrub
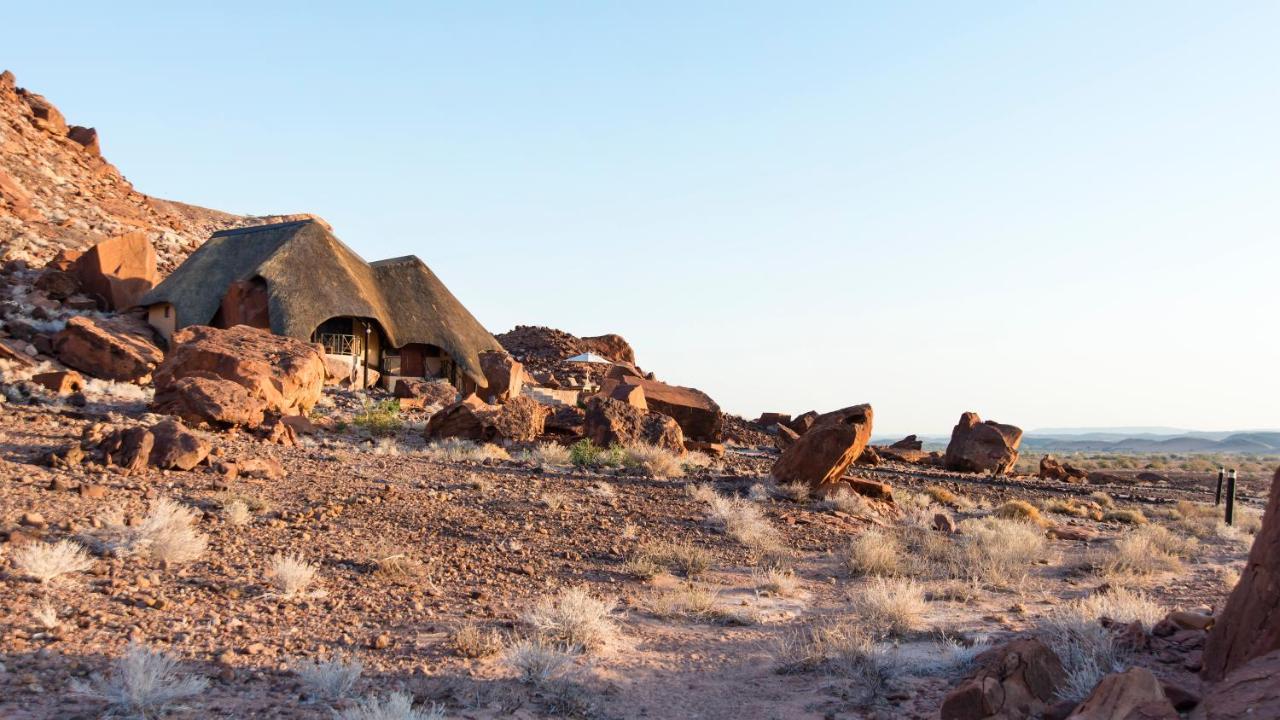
<point>585,453</point>
<point>380,418</point>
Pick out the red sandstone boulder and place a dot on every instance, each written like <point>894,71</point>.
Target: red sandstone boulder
<point>128,449</point>
<point>521,419</point>
<point>57,284</point>
<point>1249,624</point>
<point>431,392</point>
<point>632,395</point>
<point>1052,469</point>
<point>210,399</point>
<point>175,447</point>
<point>1134,694</point>
<point>503,375</point>
<point>287,375</point>
<point>986,447</point>
<point>1016,680</point>
<point>87,137</point>
<point>820,457</point>
<point>115,349</point>
<point>910,442</point>
<point>611,422</point>
<point>801,423</point>
<point>1251,690</point>
<point>785,438</point>
<point>62,382</point>
<point>610,346</point>
<point>773,418</point>
<point>699,416</point>
<point>118,271</point>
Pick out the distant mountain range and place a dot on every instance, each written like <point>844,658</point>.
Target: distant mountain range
<point>1135,440</point>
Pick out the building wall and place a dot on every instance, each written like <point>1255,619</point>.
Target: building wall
<point>162,317</point>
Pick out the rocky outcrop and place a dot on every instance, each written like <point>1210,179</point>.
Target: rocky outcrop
<point>611,422</point>
<point>698,415</point>
<point>287,375</point>
<point>821,456</point>
<point>116,349</point>
<point>1053,469</point>
<point>519,420</point>
<point>503,375</point>
<point>1249,625</point>
<point>910,442</point>
<point>1134,694</point>
<point>1016,680</point>
<point>210,399</point>
<point>118,271</point>
<point>985,447</point>
<point>801,423</point>
<point>1250,690</point>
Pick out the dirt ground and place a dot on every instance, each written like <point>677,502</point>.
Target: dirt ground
<point>483,542</point>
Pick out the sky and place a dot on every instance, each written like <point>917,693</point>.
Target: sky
<point>1052,214</point>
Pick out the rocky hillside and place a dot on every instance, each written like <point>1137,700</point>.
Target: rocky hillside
<point>58,191</point>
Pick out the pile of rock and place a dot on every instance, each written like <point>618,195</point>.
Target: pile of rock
<point>166,445</point>
<point>1053,469</point>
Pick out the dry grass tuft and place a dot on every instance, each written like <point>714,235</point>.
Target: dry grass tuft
<point>538,662</point>
<point>1072,507</point>
<point>328,679</point>
<point>889,606</point>
<point>874,553</point>
<point>46,616</point>
<point>1128,516</point>
<point>1020,510</point>
<point>1149,550</point>
<point>237,512</point>
<point>653,461</point>
<point>946,497</point>
<point>290,574</point>
<point>1088,650</point>
<point>743,521</point>
<point>847,501</point>
<point>688,600</point>
<point>45,561</point>
<point>396,706</point>
<point>553,501</point>
<point>1105,501</point>
<point>796,492</point>
<point>998,551</point>
<point>841,648</point>
<point>143,683</point>
<point>653,558</point>
<point>471,641</point>
<point>547,455</point>
<point>774,581</point>
<point>574,618</point>
<point>455,450</point>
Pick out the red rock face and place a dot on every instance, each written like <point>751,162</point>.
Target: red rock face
<point>1016,680</point>
<point>62,382</point>
<point>985,447</point>
<point>176,447</point>
<point>1251,690</point>
<point>1249,625</point>
<point>1134,693</point>
<point>613,422</point>
<point>699,416</point>
<point>118,271</point>
<point>611,346</point>
<point>821,456</point>
<point>113,350</point>
<point>210,399</point>
<point>503,375</point>
<point>520,420</point>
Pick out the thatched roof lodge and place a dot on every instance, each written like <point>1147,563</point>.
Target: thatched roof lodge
<point>298,279</point>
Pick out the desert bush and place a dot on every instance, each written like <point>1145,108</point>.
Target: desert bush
<point>796,492</point>
<point>46,561</point>
<point>1069,506</point>
<point>290,574</point>
<point>946,497</point>
<point>573,617</point>
<point>46,616</point>
<point>1103,499</point>
<point>1128,516</point>
<point>538,662</point>
<point>380,418</point>
<point>471,641</point>
<point>396,706</point>
<point>328,679</point>
<point>743,521</point>
<point>653,558</point>
<point>841,648</point>
<point>889,606</point>
<point>547,455</point>
<point>457,450</point>
<point>775,581</point>
<point>602,489</point>
<point>585,454</point>
<point>874,553</point>
<point>653,461</point>
<point>700,492</point>
<point>1148,550</point>
<point>167,535</point>
<point>759,492</point>
<point>237,513</point>
<point>997,551</point>
<point>847,501</point>
<point>1088,650</point>
<point>143,683</point>
<point>1020,510</point>
<point>694,461</point>
<point>686,600</point>
<point>553,501</point>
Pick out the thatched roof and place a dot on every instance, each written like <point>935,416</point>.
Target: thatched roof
<point>311,277</point>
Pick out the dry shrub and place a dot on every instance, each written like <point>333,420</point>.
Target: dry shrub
<point>1148,550</point>
<point>874,553</point>
<point>553,501</point>
<point>998,551</point>
<point>653,558</point>
<point>396,706</point>
<point>653,461</point>
<point>842,648</point>
<point>164,535</point>
<point>46,616</point>
<point>329,679</point>
<point>1105,501</point>
<point>603,490</point>
<point>847,501</point>
<point>687,600</point>
<point>397,564</point>
<point>775,581</point>
<point>1088,650</point>
<point>944,496</point>
<point>547,455</point>
<point>759,492</point>
<point>237,513</point>
<point>889,606</point>
<point>574,618</point>
<point>1072,507</point>
<point>537,661</point>
<point>1128,516</point>
<point>290,574</point>
<point>45,561</point>
<point>1020,510</point>
<point>143,683</point>
<point>743,521</point>
<point>471,641</point>
<point>796,492</point>
<point>456,450</point>
<point>700,492</point>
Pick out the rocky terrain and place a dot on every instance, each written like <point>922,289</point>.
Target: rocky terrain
<point>227,528</point>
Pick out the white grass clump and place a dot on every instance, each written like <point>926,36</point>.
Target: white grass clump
<point>776,581</point>
<point>396,706</point>
<point>743,521</point>
<point>386,446</point>
<point>143,683</point>
<point>46,616</point>
<point>874,553</point>
<point>654,461</point>
<point>45,561</point>
<point>237,512</point>
<point>842,648</point>
<point>1148,550</point>
<point>687,600</point>
<point>847,501</point>
<point>1087,649</point>
<point>166,533</point>
<point>538,662</point>
<point>455,450</point>
<point>329,679</point>
<point>547,455</point>
<point>759,492</point>
<point>701,492</point>
<point>999,551</point>
<point>290,574</point>
<point>889,606</point>
<point>573,617</point>
<point>553,501</point>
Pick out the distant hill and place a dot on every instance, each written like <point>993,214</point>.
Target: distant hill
<point>1106,440</point>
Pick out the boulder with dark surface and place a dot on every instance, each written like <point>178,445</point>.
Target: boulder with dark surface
<point>115,349</point>
<point>772,418</point>
<point>632,395</point>
<point>785,438</point>
<point>1134,694</point>
<point>286,374</point>
<point>210,399</point>
<point>431,392</point>
<point>118,271</point>
<point>175,447</point>
<point>565,421</point>
<point>985,447</point>
<point>1249,690</point>
<point>699,416</point>
<point>57,284</point>
<point>87,137</point>
<point>1249,624</point>
<point>503,375</point>
<point>1013,681</point>
<point>521,419</point>
<point>611,422</point>
<point>611,346</point>
<point>820,457</point>
<point>801,423</point>
<point>1053,469</point>
<point>910,442</point>
<point>128,449</point>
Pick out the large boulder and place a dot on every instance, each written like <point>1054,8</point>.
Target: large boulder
<point>1053,469</point>
<point>1134,694</point>
<point>611,346</point>
<point>985,447</point>
<point>61,382</point>
<point>699,416</point>
<point>1016,680</point>
<point>115,349</point>
<point>1249,625</point>
<point>910,442</point>
<point>1251,690</point>
<point>612,422</point>
<point>287,375</point>
<point>175,447</point>
<point>118,271</point>
<point>503,375</point>
<point>210,399</point>
<point>820,457</point>
<point>431,392</point>
<point>128,449</point>
<point>521,419</point>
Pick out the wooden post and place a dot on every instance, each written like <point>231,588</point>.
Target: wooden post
<point>366,356</point>
<point>1217,496</point>
<point>1231,497</point>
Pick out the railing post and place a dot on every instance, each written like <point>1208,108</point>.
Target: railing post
<point>1231,497</point>
<point>1217,496</point>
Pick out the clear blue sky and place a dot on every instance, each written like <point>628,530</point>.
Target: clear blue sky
<point>1050,213</point>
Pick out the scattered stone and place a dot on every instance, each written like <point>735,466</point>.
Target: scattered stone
<point>503,375</point>
<point>263,468</point>
<point>210,399</point>
<point>431,392</point>
<point>120,270</point>
<point>1052,469</point>
<point>1016,680</point>
<point>612,422</point>
<point>128,449</point>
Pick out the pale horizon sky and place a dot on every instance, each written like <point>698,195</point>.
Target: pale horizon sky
<point>1051,214</point>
